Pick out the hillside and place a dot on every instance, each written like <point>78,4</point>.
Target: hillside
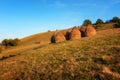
<point>36,38</point>
<point>93,58</point>
<point>47,35</point>
<point>40,39</point>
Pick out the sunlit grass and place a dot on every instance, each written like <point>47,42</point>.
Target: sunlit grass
<point>82,59</point>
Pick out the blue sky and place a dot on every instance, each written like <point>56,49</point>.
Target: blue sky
<point>20,18</point>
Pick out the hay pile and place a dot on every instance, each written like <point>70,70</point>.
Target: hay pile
<point>90,31</point>
<point>75,33</point>
<point>68,34</point>
<point>57,37</point>
<point>82,30</point>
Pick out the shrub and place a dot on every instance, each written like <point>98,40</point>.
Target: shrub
<point>117,25</point>
<point>98,25</point>
<point>10,42</point>
<point>49,30</point>
<point>99,21</point>
<point>116,19</point>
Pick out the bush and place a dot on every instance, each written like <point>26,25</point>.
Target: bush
<point>49,30</point>
<point>10,42</point>
<point>87,22</point>
<point>117,25</point>
<point>115,19</point>
<point>99,21</point>
<point>98,25</point>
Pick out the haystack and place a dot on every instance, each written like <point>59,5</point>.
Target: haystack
<point>90,31</point>
<point>68,34</point>
<point>57,37</point>
<point>82,30</point>
<point>75,33</point>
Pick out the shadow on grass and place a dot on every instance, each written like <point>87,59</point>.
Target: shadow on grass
<point>10,56</point>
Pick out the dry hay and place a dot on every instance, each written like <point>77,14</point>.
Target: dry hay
<point>68,34</point>
<point>75,33</point>
<point>82,30</point>
<point>90,31</point>
<point>57,37</point>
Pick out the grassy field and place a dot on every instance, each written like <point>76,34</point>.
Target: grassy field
<point>93,58</point>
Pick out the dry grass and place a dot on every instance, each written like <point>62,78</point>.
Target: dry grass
<point>17,50</point>
<point>106,26</point>
<point>83,59</point>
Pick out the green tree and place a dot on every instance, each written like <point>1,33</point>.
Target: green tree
<point>116,19</point>
<point>87,22</point>
<point>99,21</point>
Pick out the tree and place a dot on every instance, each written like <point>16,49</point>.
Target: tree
<point>99,21</point>
<point>87,22</point>
<point>116,19</point>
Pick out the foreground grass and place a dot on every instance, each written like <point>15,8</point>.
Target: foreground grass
<point>85,59</point>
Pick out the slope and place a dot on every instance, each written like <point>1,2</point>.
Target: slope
<point>85,59</point>
<point>39,39</point>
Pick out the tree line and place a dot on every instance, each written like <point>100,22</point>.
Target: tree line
<point>99,21</point>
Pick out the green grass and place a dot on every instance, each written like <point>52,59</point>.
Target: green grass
<point>82,59</point>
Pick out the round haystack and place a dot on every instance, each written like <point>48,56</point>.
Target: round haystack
<point>57,37</point>
<point>90,31</point>
<point>68,34</point>
<point>82,30</point>
<point>75,33</point>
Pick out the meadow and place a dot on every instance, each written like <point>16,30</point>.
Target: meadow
<point>88,58</point>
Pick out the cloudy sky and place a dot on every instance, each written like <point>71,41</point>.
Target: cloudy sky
<point>20,18</point>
